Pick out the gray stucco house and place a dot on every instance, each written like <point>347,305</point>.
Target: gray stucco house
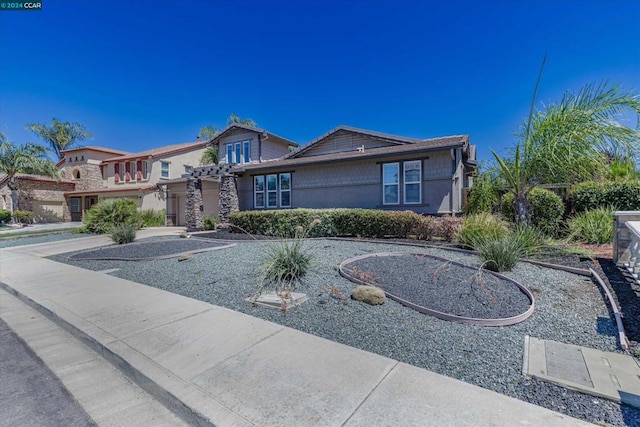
<point>344,168</point>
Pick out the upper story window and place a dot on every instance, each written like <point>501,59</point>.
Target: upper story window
<point>238,152</point>
<point>246,151</point>
<point>229,154</point>
<point>188,169</point>
<point>164,169</point>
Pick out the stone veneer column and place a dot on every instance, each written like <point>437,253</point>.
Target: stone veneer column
<point>228,197</point>
<point>621,239</point>
<point>194,215</point>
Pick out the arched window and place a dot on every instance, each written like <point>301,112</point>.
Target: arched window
<point>4,203</point>
<point>76,174</point>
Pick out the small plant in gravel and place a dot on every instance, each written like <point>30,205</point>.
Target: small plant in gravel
<point>504,252</point>
<point>123,233</point>
<point>593,226</point>
<point>211,222</point>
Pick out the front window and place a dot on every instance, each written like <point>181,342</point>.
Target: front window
<point>258,191</point>
<point>412,181</point>
<point>132,166</point>
<point>246,148</point>
<point>229,154</point>
<point>145,169</point>
<point>238,152</point>
<point>272,191</point>
<point>285,190</point>
<point>391,183</point>
<point>164,169</point>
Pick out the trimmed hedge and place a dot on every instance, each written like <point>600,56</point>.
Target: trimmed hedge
<point>547,209</point>
<point>622,195</point>
<point>368,223</point>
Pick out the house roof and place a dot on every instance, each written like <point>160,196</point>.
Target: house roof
<point>110,190</point>
<point>422,146</point>
<point>96,148</point>
<point>35,178</point>
<point>394,139</point>
<point>157,152</point>
<point>234,126</point>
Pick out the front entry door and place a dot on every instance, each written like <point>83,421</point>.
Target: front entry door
<point>75,206</point>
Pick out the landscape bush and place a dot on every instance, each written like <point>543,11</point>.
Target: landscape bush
<point>480,227</point>
<point>594,226</point>
<point>504,252</point>
<point>106,214</point>
<point>152,217</point>
<point>367,223</point>
<point>547,210</point>
<point>23,217</point>
<point>211,222</point>
<point>5,216</point>
<point>483,196</point>
<point>622,195</point>
<point>123,233</point>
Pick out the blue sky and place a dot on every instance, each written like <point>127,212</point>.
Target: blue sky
<point>150,73</point>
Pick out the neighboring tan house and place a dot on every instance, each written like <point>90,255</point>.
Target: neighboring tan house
<point>42,195</point>
<point>238,145</point>
<point>102,173</point>
<point>344,168</point>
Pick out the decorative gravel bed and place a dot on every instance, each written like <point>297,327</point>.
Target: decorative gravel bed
<point>569,309</point>
<point>440,285</point>
<point>18,240</point>
<point>150,249</point>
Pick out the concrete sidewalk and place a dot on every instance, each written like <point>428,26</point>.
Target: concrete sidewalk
<point>214,366</point>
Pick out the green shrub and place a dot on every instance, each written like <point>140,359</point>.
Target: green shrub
<point>211,222</point>
<point>106,214</point>
<point>592,226</point>
<point>23,217</point>
<point>480,227</point>
<point>286,264</point>
<point>622,195</point>
<point>547,210</point>
<point>5,216</point>
<point>483,196</point>
<point>123,233</point>
<point>152,218</point>
<point>503,253</point>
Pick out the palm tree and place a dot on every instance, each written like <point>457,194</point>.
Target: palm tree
<point>210,156</point>
<point>567,141</point>
<point>60,135</point>
<point>27,158</point>
<point>208,132</point>
<point>233,118</point>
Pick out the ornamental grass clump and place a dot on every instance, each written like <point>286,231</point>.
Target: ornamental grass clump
<point>123,233</point>
<point>285,264</point>
<point>593,226</point>
<point>480,227</point>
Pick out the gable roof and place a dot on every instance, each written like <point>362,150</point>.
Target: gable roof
<point>234,126</point>
<point>30,177</point>
<point>95,148</point>
<point>158,152</point>
<point>387,137</point>
<point>426,145</point>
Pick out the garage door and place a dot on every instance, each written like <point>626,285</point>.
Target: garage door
<point>47,211</point>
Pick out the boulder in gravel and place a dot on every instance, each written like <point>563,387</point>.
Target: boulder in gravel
<point>370,294</point>
<point>184,257</point>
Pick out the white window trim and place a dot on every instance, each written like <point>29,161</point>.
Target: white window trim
<point>384,184</point>
<point>256,192</point>
<point>162,162</point>
<point>229,150</point>
<point>133,170</point>
<point>246,151</point>
<point>284,191</point>
<point>266,183</point>
<point>145,170</point>
<point>405,182</point>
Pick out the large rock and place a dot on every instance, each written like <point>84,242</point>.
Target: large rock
<point>369,294</point>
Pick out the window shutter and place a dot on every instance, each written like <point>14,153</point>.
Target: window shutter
<point>127,169</point>
<point>139,170</point>
<point>116,174</point>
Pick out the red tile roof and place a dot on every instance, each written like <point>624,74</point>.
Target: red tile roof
<point>124,189</point>
<point>158,152</point>
<point>96,148</point>
<point>35,178</point>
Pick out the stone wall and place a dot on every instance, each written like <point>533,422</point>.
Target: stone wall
<point>90,175</point>
<point>228,197</point>
<point>39,192</point>
<point>621,237</point>
<point>194,216</point>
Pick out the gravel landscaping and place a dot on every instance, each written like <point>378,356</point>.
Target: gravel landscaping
<point>569,309</point>
<point>17,240</point>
